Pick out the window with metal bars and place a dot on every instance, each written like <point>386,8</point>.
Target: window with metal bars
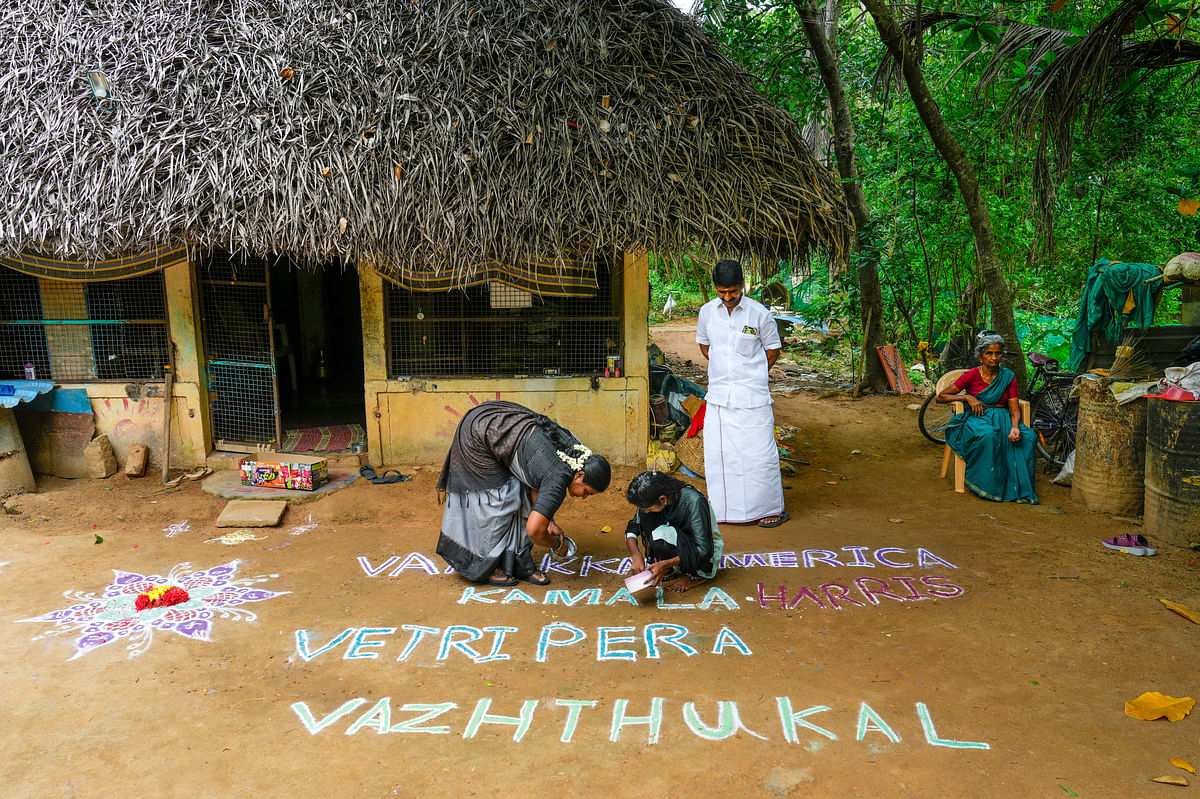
<point>68,331</point>
<point>498,330</point>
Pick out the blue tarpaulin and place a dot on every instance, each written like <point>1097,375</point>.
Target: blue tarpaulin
<point>24,391</point>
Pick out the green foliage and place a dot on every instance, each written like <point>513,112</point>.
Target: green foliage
<point>1169,307</point>
<point>1049,335</point>
<point>1129,169</point>
<point>675,275</point>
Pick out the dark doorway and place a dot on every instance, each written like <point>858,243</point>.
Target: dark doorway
<point>317,319</point>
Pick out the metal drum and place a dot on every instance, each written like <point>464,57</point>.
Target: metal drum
<point>1110,452</point>
<point>1173,471</point>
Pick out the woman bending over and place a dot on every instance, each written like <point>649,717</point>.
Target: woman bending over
<point>506,475</point>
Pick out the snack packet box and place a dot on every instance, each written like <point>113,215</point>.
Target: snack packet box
<point>284,470</point>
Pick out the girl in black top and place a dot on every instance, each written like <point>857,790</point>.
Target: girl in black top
<point>674,528</point>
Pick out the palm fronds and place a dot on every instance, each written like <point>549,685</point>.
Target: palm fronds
<point>1075,85</point>
<point>420,137</point>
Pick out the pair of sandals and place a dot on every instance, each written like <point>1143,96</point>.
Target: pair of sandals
<point>198,474</point>
<point>390,476</point>
<point>564,548</point>
<point>500,579</point>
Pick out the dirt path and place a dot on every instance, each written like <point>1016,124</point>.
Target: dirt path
<point>969,649</point>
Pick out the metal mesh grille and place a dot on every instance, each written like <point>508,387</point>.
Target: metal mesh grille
<point>497,329</point>
<point>244,403</point>
<point>241,372</point>
<point>73,331</point>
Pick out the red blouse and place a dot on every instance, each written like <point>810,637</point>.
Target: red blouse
<point>973,383</point>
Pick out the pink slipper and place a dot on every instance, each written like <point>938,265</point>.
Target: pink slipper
<point>1133,544</point>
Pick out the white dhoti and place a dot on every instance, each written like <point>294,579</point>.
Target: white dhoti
<point>741,463</point>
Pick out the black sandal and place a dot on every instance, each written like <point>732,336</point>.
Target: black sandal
<point>388,477</point>
<point>501,580</point>
<point>537,578</point>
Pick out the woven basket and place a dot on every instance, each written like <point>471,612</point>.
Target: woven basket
<point>690,452</point>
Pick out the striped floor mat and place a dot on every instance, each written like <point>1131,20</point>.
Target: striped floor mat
<point>334,438</point>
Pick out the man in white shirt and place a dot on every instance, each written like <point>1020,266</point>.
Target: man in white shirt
<point>739,338</point>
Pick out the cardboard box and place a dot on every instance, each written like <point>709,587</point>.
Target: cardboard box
<point>283,470</point>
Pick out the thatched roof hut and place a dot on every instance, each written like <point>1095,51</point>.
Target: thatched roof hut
<point>419,135</point>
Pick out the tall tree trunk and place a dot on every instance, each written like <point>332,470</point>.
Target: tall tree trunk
<point>818,130</point>
<point>991,273</point>
<point>874,376</point>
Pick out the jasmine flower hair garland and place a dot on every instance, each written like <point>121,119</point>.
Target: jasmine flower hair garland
<point>575,464</point>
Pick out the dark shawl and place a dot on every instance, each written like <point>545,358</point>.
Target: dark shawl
<point>488,439</point>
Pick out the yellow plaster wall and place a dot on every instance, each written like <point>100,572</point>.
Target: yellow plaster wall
<point>191,429</point>
<point>411,421</point>
<point>138,419</point>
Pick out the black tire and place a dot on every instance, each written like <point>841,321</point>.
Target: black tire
<point>1055,417</point>
<point>933,418</point>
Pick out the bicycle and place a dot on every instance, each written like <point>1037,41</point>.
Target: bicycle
<point>1054,413</point>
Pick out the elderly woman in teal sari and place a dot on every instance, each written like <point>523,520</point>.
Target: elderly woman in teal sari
<point>989,436</point>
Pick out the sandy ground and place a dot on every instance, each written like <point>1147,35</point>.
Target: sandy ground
<point>968,649</point>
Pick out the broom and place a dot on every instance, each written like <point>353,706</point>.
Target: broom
<point>1130,362</point>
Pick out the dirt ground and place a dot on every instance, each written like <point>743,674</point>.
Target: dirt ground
<point>932,645</point>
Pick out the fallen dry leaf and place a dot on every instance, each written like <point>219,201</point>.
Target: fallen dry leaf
<point>606,529</point>
<point>1182,781</point>
<point>896,521</point>
<point>1188,206</point>
<point>1182,610</point>
<point>1179,762</point>
<point>1153,705</point>
<point>831,482</point>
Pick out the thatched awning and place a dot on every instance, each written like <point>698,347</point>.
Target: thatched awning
<point>574,277</point>
<point>96,270</point>
<point>425,137</point>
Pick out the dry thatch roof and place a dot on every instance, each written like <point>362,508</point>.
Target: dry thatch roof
<point>421,135</point>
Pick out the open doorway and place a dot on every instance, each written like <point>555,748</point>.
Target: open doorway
<point>317,324</point>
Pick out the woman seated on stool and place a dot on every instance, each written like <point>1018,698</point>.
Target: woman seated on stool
<point>989,436</point>
<point>676,527</point>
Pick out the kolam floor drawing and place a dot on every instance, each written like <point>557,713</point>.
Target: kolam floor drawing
<point>892,639</point>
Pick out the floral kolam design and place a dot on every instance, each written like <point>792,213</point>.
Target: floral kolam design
<point>134,606</point>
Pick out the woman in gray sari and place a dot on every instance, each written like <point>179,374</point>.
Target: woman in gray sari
<point>508,471</point>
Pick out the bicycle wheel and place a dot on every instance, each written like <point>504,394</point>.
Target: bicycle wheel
<point>1055,416</point>
<point>933,418</point>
